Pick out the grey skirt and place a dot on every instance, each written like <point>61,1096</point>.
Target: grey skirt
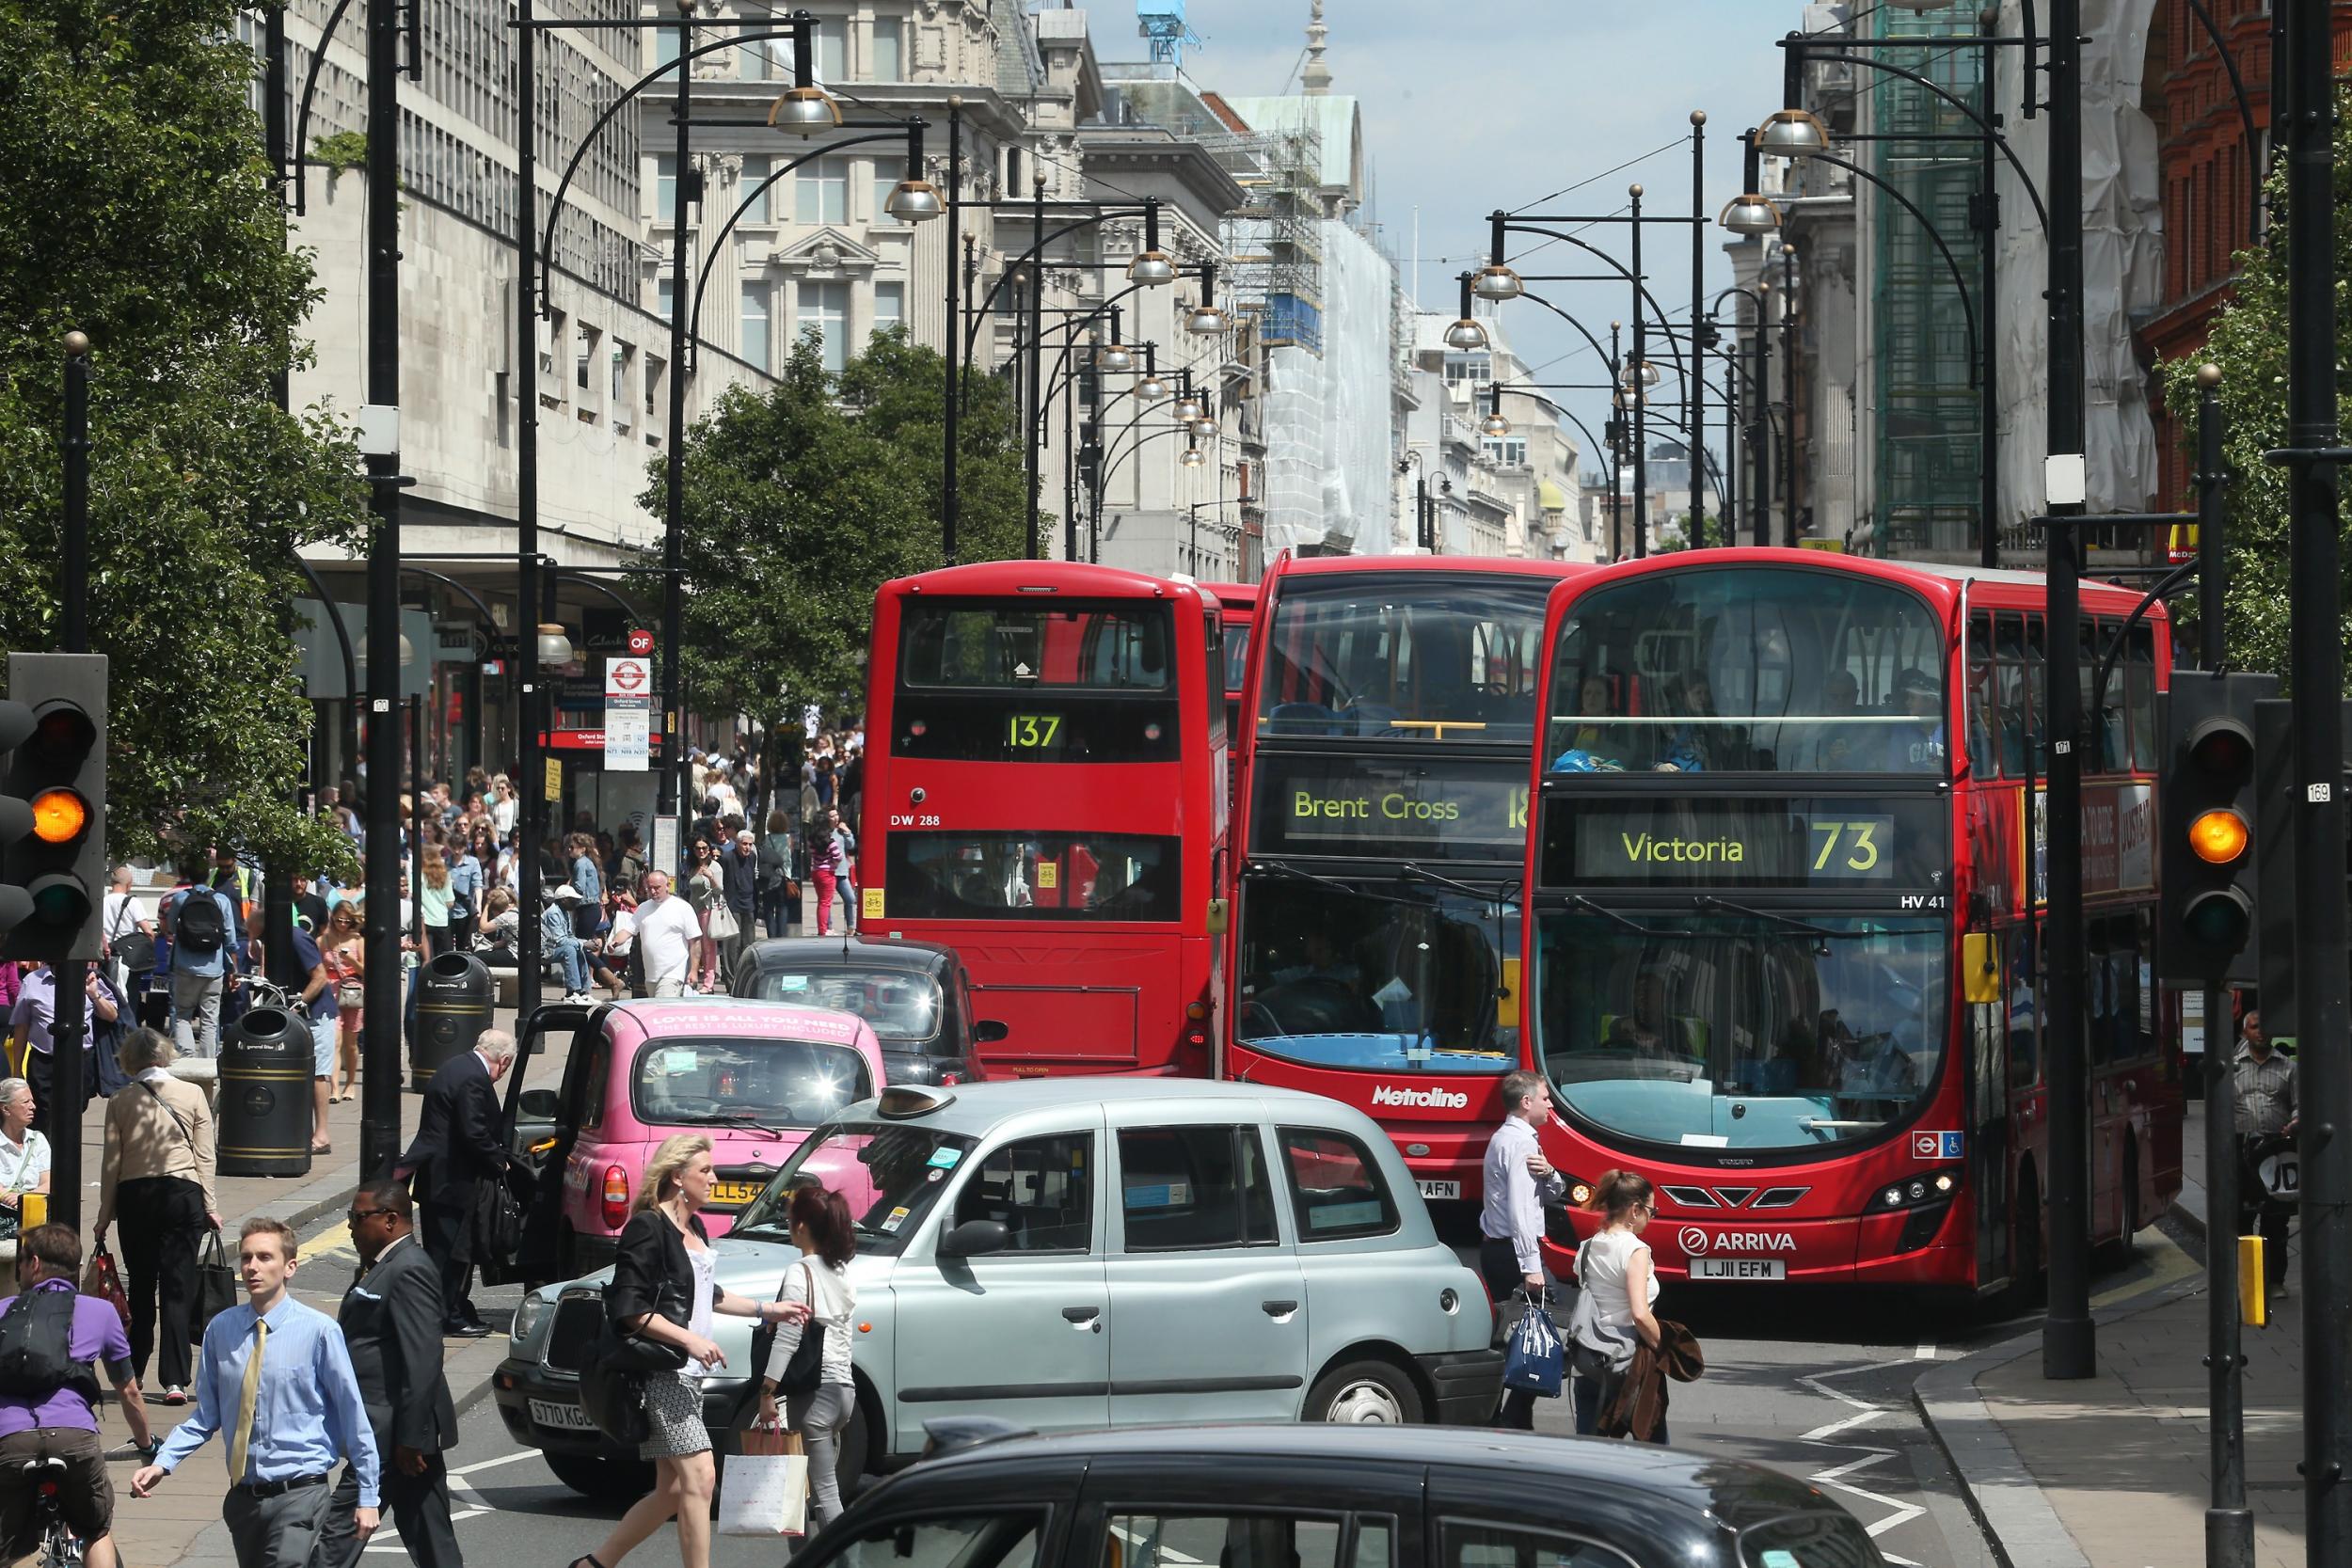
<point>674,1418</point>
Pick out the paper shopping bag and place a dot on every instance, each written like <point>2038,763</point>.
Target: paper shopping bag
<point>765,1488</point>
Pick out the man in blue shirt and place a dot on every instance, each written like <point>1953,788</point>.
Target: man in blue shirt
<point>203,963</point>
<point>276,1381</point>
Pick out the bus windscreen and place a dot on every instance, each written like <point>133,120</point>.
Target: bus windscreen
<point>1434,658</point>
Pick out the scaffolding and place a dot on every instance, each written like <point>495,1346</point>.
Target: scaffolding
<point>1928,429</point>
<point>1273,247</point>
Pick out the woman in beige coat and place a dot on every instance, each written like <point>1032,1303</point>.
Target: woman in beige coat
<point>158,1169</point>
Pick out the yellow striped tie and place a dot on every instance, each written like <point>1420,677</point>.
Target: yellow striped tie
<point>249,1396</point>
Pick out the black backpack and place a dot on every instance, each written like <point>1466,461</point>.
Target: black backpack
<point>196,923</point>
<point>36,1344</point>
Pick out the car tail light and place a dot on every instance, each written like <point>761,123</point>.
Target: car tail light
<point>615,1197</point>
<point>950,1078</point>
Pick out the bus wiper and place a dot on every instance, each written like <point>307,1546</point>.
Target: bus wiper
<point>1580,901</point>
<point>1822,934</point>
<point>1493,892</point>
<point>1284,868</point>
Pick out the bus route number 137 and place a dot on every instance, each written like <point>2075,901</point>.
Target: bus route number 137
<point>1032,732</point>
<point>1850,846</point>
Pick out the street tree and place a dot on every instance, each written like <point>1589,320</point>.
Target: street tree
<point>141,212</point>
<point>803,499</point>
<point>2248,341</point>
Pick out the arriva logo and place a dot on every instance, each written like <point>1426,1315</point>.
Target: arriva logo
<point>1425,1100</point>
<point>1697,1244</point>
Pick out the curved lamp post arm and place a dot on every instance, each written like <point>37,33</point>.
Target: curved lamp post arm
<point>2033,194</point>
<point>2245,118</point>
<point>711,251</point>
<point>1111,461</point>
<point>1035,249</point>
<point>342,639</point>
<point>1656,310</point>
<point>472,597</point>
<point>562,186</point>
<point>1959,278</point>
<point>573,574</point>
<point>309,91</point>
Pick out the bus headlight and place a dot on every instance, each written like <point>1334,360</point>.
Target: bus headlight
<point>1912,1192</point>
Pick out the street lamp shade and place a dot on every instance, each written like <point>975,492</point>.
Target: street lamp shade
<point>1204,426</point>
<point>1467,335</point>
<point>1494,425</point>
<point>1792,134</point>
<point>1193,457</point>
<point>1749,214</point>
<point>1498,284</point>
<point>555,647</point>
<point>1115,357</point>
<point>1646,371</point>
<point>914,201</point>
<point>1151,267</point>
<point>1152,388</point>
<point>1204,321</point>
<point>805,111</point>
<point>1187,409</point>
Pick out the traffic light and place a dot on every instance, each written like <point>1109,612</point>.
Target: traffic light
<point>53,808</point>
<point>2206,868</point>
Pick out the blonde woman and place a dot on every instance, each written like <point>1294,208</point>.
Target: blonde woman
<point>434,900</point>
<point>346,951</point>
<point>666,1288</point>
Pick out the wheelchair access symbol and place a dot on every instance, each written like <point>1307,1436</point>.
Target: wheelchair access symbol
<point>1936,1146</point>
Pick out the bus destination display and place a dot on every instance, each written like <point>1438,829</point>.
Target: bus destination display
<point>984,727</point>
<point>1822,841</point>
<point>1346,806</point>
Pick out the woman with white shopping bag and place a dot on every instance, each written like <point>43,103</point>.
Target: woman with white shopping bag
<point>827,1237</point>
<point>1616,1285</point>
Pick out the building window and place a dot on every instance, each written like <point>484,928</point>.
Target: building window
<point>885,181</point>
<point>664,187</point>
<point>755,180</point>
<point>890,305</point>
<point>752,60</point>
<point>1509,450</point>
<point>886,41</point>
<point>624,359</point>
<point>825,310</point>
<point>820,191</point>
<point>1468,367</point>
<point>663,293</point>
<point>584,360</point>
<point>833,52</point>
<point>664,45</point>
<point>756,324</point>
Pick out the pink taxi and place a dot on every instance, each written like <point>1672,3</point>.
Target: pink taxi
<point>752,1076</point>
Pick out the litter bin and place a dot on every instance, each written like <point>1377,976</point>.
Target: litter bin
<point>455,995</point>
<point>265,1104</point>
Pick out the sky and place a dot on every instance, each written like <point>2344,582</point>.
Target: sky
<point>1501,103</point>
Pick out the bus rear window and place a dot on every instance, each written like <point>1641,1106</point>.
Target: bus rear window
<point>1749,670</point>
<point>1047,877</point>
<point>997,647</point>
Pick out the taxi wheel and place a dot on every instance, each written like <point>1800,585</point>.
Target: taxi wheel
<point>1364,1393</point>
<point>591,1477</point>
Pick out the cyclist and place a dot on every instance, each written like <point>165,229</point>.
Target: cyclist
<point>52,1340</point>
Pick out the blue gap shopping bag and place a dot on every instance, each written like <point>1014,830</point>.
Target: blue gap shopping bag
<point>1531,1362</point>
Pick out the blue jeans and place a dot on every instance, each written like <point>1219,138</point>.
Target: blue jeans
<point>567,952</point>
<point>1587,1399</point>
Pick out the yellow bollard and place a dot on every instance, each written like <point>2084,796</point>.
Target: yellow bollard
<point>33,1208</point>
<point>2253,1295</point>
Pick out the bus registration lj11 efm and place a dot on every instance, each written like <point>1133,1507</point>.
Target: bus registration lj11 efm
<point>1738,1268</point>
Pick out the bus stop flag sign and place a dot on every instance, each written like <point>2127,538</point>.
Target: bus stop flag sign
<point>628,714</point>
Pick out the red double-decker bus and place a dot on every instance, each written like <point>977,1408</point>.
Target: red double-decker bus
<point>1784,880</point>
<point>1045,790</point>
<point>1382,824</point>
<point>1237,606</point>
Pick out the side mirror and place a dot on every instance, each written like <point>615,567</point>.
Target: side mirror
<point>540,1105</point>
<point>974,1238</point>
<point>988,1031</point>
<point>1220,917</point>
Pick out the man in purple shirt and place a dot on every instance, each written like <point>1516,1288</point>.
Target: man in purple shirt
<point>63,1424</point>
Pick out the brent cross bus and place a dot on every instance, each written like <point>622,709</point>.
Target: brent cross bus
<point>1045,792</point>
<point>1382,820</point>
<point>1784,876</point>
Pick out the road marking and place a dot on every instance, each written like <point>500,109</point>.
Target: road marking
<point>493,1464</point>
<point>387,1539</point>
<point>1865,1413</point>
<point>1925,1353</point>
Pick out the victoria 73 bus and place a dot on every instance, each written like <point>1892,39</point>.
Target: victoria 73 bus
<point>1783,881</point>
<point>1045,788</point>
<point>1382,823</point>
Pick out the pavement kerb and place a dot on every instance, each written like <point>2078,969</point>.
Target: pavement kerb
<point>2024,1530</point>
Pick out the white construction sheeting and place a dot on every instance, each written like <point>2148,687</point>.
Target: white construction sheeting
<point>1328,443</point>
<point>2122,270</point>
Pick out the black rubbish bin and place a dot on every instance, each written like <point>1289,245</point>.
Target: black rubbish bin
<point>455,995</point>
<point>264,1099</point>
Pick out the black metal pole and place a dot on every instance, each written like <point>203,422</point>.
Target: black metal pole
<point>1035,366</point>
<point>379,1094</point>
<point>1760,431</point>
<point>1421,513</point>
<point>531,809</point>
<point>2229,1522</point>
<point>2069,1336</point>
<point>278,912</point>
<point>419,814</point>
<point>1635,386</point>
<point>2323,1018</point>
<point>1987,223</point>
<point>688,194</point>
<point>1695,394</point>
<point>1789,393</point>
<point>951,498</point>
<point>69,1020</point>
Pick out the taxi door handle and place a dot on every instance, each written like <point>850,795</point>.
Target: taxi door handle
<point>1278,1308</point>
<point>1080,1317</point>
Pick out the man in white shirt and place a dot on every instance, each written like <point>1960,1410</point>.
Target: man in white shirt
<point>667,929</point>
<point>1518,1180</point>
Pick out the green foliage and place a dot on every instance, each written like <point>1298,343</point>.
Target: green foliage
<point>139,210</point>
<point>344,150</point>
<point>802,501</point>
<point>2249,342</point>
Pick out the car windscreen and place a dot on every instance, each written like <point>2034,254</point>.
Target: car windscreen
<point>905,1008</point>
<point>744,1080</point>
<point>891,1173</point>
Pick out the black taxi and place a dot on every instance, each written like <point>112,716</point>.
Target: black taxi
<point>1333,1497</point>
<point>916,994</point>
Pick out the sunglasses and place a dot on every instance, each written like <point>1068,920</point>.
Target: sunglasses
<point>356,1215</point>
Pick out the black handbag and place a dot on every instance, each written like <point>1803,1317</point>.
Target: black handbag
<point>215,1283</point>
<point>805,1368</point>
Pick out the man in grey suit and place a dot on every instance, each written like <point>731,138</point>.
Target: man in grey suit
<point>392,1320</point>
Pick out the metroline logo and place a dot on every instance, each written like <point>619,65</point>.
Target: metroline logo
<point>1425,1100</point>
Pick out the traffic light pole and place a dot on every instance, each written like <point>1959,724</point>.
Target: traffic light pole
<point>70,1024</point>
